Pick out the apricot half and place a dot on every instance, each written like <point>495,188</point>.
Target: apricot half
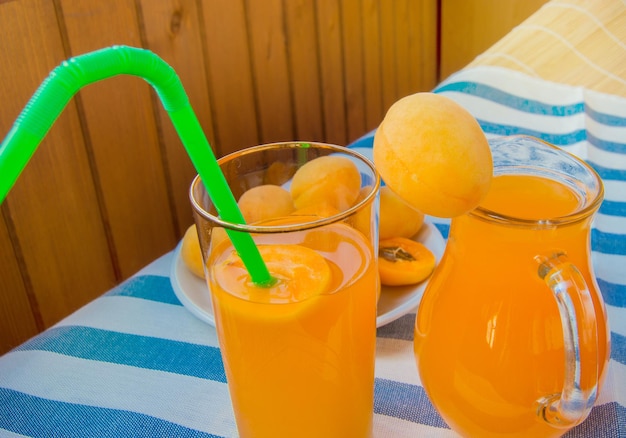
<point>403,261</point>
<point>300,273</point>
<point>433,154</point>
<point>190,252</point>
<point>333,180</point>
<point>265,202</point>
<point>397,218</point>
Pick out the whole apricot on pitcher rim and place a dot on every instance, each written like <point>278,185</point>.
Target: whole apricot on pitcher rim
<point>433,154</point>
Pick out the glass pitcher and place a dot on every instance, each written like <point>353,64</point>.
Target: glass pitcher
<point>511,335</point>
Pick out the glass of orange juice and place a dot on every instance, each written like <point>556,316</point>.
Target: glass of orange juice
<point>511,335</point>
<point>299,353</point>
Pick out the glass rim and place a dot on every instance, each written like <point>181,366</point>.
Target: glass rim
<point>267,229</point>
<point>579,214</point>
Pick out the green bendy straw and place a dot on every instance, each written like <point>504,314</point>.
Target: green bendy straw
<point>69,77</point>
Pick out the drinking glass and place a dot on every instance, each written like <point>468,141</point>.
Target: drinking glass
<point>298,355</point>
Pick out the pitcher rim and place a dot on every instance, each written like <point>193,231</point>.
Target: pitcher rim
<point>576,216</point>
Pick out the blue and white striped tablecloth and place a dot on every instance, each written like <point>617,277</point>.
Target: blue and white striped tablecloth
<point>135,362</point>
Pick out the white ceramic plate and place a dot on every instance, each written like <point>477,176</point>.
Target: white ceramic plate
<point>395,301</point>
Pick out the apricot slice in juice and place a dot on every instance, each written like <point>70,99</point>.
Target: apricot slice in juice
<point>265,202</point>
<point>397,218</point>
<point>300,273</point>
<point>190,252</point>
<point>433,154</point>
<point>403,261</point>
<point>332,179</point>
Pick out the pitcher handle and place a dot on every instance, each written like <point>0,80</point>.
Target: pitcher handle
<point>574,403</point>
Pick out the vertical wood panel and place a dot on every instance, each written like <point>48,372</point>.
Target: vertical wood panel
<point>112,175</point>
<point>467,30</point>
<point>388,54</point>
<point>120,121</point>
<point>402,40</point>
<point>304,66</point>
<point>421,51</point>
<point>17,321</point>
<point>331,69</point>
<point>426,58</point>
<point>415,45</point>
<point>373,93</point>
<point>172,30</point>
<point>270,69</point>
<point>53,206</point>
<point>230,79</point>
<point>409,43</point>
<point>352,24</point>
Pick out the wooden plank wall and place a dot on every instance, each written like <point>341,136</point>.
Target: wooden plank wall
<point>106,191</point>
<point>469,27</point>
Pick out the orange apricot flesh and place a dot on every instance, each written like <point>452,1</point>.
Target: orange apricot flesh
<point>433,154</point>
<point>403,261</point>
<point>190,252</point>
<point>331,179</point>
<point>300,273</point>
<point>265,202</point>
